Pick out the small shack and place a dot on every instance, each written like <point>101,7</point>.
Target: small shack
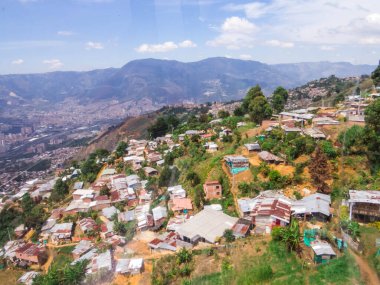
<point>323,251</point>
<point>270,157</point>
<point>130,266</point>
<point>252,147</point>
<point>237,163</point>
<point>150,171</point>
<point>242,228</point>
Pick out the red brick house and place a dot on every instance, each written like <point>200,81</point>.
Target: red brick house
<point>213,190</point>
<point>31,253</point>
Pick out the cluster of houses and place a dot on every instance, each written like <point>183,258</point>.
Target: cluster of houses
<point>105,262</point>
<point>183,228</point>
<point>272,208</point>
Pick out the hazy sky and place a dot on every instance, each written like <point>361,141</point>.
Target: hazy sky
<point>49,35</point>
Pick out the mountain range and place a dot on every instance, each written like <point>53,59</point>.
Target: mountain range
<point>168,81</point>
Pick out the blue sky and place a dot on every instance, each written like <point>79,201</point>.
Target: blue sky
<point>50,35</point>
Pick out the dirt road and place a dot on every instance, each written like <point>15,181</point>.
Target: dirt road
<point>368,273</point>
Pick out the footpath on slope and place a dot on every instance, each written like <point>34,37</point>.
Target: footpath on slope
<point>367,272</point>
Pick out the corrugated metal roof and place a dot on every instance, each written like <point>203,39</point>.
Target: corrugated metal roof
<point>159,213</point>
<point>315,203</point>
<point>363,196</point>
<point>208,224</point>
<point>322,248</point>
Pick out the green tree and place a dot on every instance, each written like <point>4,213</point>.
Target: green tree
<point>223,114</point>
<point>259,109</point>
<point>279,99</point>
<point>239,112</point>
<point>193,178</point>
<point>60,190</point>
<point>101,153</point>
<point>372,133</point>
<point>27,204</point>
<point>229,235</point>
<point>352,139</point>
<point>105,191</point>
<point>290,235</point>
<point>199,196</point>
<point>168,176</point>
<point>184,256</point>
<point>328,148</point>
<point>375,75</point>
<point>89,168</point>
<point>120,149</point>
<point>250,96</point>
<point>354,229</point>
<point>35,217</point>
<point>68,274</point>
<point>162,125</point>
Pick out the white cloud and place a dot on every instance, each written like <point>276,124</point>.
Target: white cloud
<point>53,63</point>
<point>245,56</point>
<point>235,33</point>
<point>322,22</point>
<point>65,33</point>
<point>281,44</point>
<point>153,48</point>
<point>187,44</point>
<point>373,18</point>
<point>164,47</point>
<point>18,61</point>
<point>252,10</point>
<point>94,45</point>
<point>370,41</point>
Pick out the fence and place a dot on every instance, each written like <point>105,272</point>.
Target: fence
<point>353,244</point>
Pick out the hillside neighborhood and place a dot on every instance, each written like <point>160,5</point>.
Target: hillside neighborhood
<point>204,186</point>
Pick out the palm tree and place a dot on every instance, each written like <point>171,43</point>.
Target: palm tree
<point>354,229</point>
<point>291,236</point>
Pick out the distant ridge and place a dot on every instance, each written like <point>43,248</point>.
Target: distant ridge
<point>170,81</point>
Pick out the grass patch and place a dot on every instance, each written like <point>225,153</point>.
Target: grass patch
<point>338,271</point>
<point>211,279</point>
<point>65,250</point>
<point>63,257</point>
<point>278,267</point>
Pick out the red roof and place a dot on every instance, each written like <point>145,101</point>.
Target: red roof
<point>104,228</point>
<point>206,136</point>
<point>214,182</point>
<point>101,198</point>
<point>156,241</point>
<point>29,249</point>
<point>115,196</point>
<point>273,207</point>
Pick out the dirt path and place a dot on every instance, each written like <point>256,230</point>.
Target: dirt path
<point>368,274</point>
<point>50,245</point>
<point>50,260</point>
